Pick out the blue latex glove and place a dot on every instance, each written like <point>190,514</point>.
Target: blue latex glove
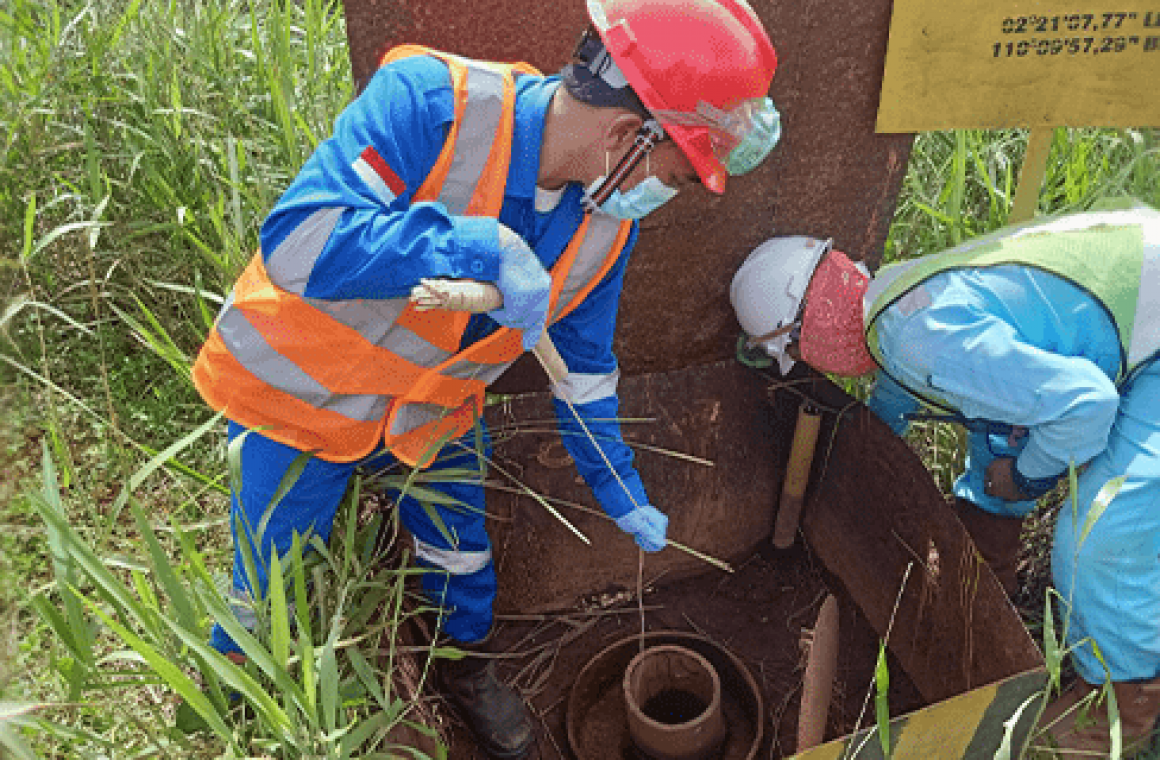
<point>647,525</point>
<point>525,285</point>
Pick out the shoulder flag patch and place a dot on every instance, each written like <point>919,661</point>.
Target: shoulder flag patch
<point>379,177</point>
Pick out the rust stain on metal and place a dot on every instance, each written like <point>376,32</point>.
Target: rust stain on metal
<point>545,567</point>
<point>553,455</point>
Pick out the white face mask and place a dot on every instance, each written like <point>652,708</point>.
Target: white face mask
<point>638,202</point>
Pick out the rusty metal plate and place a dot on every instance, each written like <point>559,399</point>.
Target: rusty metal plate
<point>878,522</point>
<point>712,412</point>
<point>830,176</point>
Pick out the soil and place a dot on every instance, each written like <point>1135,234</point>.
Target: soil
<point>762,613</point>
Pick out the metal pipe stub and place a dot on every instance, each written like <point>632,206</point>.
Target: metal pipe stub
<point>672,697</point>
<point>597,713</point>
<point>797,474</point>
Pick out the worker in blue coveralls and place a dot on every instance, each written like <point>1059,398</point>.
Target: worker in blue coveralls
<point>1044,341</point>
<point>442,169</point>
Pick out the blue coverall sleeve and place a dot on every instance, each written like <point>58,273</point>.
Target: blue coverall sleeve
<point>981,365</point>
<point>584,340</point>
<point>384,144</point>
<point>891,403</point>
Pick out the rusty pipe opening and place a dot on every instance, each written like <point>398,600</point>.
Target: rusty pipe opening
<point>673,700</point>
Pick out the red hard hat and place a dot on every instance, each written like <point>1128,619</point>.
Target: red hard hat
<point>702,68</point>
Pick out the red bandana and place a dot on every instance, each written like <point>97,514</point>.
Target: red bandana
<point>831,338</point>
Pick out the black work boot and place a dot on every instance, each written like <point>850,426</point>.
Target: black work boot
<point>493,711</point>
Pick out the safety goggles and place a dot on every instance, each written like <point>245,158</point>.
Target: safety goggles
<point>740,138</point>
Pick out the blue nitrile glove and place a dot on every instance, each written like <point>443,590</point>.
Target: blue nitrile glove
<point>525,285</point>
<point>647,525</point>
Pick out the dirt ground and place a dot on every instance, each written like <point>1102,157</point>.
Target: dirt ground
<point>759,613</point>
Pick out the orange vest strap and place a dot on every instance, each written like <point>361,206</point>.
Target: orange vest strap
<point>434,387</point>
<point>304,335</point>
<point>228,387</point>
<point>488,197</point>
<point>438,327</point>
<point>610,260</point>
<point>419,447</point>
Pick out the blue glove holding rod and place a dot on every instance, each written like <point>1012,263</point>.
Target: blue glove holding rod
<point>525,285</point>
<point>647,525</point>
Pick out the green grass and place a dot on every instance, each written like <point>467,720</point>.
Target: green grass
<point>141,143</point>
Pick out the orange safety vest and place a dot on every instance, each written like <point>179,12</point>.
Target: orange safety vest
<point>342,377</point>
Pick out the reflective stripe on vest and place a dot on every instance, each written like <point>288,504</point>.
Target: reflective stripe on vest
<point>270,361</point>
<point>1113,256</point>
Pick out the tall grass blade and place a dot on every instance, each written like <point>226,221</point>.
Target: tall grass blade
<point>1006,750</point>
<point>881,699</point>
<point>11,741</point>
<point>289,478</point>
<point>305,633</point>
<point>174,678</point>
<point>279,614</point>
<point>328,681</point>
<point>1115,724</point>
<point>1100,505</point>
<point>254,651</point>
<point>162,569</point>
<point>1052,652</point>
<point>80,638</point>
<point>379,723</point>
<point>155,464</point>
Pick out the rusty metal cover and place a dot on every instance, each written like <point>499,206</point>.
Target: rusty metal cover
<point>831,175</point>
<point>879,523</point>
<point>712,412</point>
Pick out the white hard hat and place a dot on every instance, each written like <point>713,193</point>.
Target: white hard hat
<point>768,289</point>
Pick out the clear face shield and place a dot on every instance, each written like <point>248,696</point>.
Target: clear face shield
<point>740,138</point>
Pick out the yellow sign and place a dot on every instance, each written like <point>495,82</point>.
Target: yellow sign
<point>1021,63</point>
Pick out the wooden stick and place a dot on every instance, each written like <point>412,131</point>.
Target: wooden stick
<point>479,297</point>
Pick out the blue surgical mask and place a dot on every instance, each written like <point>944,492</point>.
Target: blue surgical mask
<point>637,202</point>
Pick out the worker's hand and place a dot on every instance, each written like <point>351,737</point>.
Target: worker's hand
<point>1017,434</point>
<point>647,525</point>
<point>999,480</point>
<point>525,285</point>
